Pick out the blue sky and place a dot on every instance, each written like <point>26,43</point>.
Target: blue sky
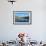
<point>22,14</point>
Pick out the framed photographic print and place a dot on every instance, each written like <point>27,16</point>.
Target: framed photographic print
<point>22,17</point>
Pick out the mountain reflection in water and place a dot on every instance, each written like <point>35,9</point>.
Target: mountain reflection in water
<point>22,19</point>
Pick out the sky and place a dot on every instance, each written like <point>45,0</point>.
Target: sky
<point>21,14</point>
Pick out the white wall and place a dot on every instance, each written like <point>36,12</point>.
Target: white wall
<point>9,31</point>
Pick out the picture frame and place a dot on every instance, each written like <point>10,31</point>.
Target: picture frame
<point>22,17</point>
